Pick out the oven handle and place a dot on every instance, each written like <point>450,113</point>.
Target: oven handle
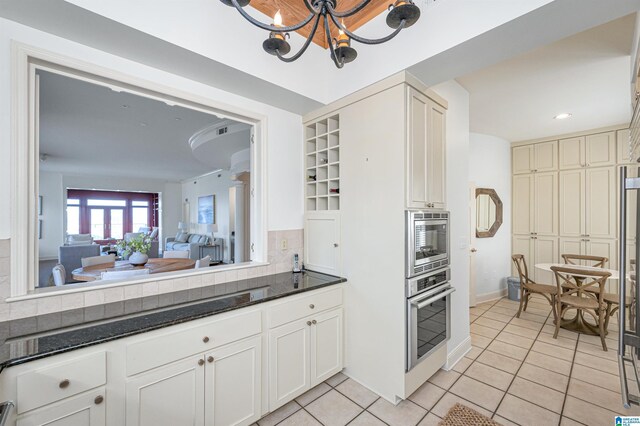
<point>430,300</point>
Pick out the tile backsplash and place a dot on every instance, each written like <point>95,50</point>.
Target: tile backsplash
<point>280,258</point>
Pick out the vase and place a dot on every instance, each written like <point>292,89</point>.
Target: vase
<point>138,259</point>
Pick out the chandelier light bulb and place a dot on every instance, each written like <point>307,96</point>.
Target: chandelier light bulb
<point>277,19</point>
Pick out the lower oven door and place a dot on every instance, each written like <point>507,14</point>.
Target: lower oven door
<point>428,323</point>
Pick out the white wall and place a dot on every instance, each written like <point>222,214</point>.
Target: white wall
<point>52,193</point>
<point>284,129</point>
<point>490,167</point>
<point>217,184</point>
<point>458,205</point>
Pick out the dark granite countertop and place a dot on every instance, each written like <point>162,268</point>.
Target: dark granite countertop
<point>37,337</point>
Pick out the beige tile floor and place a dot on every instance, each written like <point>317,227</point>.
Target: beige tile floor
<point>515,373</point>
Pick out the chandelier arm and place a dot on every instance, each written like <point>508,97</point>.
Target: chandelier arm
<point>362,39</point>
<point>327,31</point>
<point>305,46</point>
<point>310,7</point>
<point>271,27</point>
<point>349,12</point>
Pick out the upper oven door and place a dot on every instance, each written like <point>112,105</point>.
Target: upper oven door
<point>427,243</point>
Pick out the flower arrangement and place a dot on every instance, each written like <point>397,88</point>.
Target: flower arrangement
<point>139,244</point>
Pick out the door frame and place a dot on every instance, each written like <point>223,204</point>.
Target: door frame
<point>472,249</point>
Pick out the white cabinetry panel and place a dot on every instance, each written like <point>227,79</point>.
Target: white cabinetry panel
<point>86,409</point>
<point>322,242</point>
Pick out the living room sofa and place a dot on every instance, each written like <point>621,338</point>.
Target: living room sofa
<point>71,256</point>
<point>190,243</point>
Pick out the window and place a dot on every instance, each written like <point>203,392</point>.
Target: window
<point>109,215</point>
<point>73,216</point>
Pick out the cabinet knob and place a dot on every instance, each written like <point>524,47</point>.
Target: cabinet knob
<point>314,322</point>
<point>99,399</point>
<point>210,359</point>
<point>201,362</point>
<point>335,244</point>
<point>309,323</point>
<point>312,306</point>
<point>64,384</point>
<point>205,339</point>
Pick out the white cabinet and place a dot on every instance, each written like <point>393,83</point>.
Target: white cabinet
<point>622,142</point>
<point>588,203</point>
<point>588,151</point>
<point>426,125</point>
<point>220,388</point>
<point>233,380</point>
<point>535,204</point>
<point>600,199</point>
<point>541,157</point>
<point>302,354</point>
<point>322,242</point>
<point>536,250</point>
<point>169,395</point>
<point>594,247</point>
<point>87,409</point>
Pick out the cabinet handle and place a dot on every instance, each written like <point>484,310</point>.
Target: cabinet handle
<point>314,322</point>
<point>312,306</point>
<point>335,244</point>
<point>64,384</point>
<point>205,339</point>
<point>309,323</point>
<point>210,359</point>
<point>201,362</point>
<point>99,399</point>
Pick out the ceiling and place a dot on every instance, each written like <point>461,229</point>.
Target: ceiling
<point>587,75</point>
<point>294,11</point>
<point>91,129</point>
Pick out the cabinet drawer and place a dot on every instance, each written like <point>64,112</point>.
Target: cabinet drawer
<point>173,345</point>
<point>47,385</point>
<point>304,306</point>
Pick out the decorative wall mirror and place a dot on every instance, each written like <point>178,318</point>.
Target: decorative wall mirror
<point>488,212</point>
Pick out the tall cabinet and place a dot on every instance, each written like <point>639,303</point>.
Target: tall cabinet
<point>564,198</point>
<point>392,152</point>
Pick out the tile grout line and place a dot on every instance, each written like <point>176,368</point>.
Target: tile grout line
<point>495,412</point>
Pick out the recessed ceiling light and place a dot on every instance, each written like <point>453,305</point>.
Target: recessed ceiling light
<point>562,116</point>
<point>125,106</point>
<point>178,119</point>
<point>143,124</point>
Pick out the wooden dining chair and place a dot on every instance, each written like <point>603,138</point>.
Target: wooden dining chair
<point>585,260</point>
<point>574,295</point>
<point>529,287</point>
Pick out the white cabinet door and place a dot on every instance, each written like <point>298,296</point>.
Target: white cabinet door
<point>572,153</point>
<point>87,409</point>
<point>426,132</point>
<point>436,151</point>
<point>326,346</point>
<point>169,395</point>
<point>545,251</point>
<point>322,242</point>
<point>523,244</point>
<point>522,159</point>
<point>571,246</point>
<point>601,149</point>
<point>417,133</point>
<point>572,203</point>
<point>622,142</point>
<point>522,204</point>
<point>289,362</point>
<point>600,198</point>
<point>545,207</point>
<point>608,249</point>
<point>233,383</point>
<point>545,156</point>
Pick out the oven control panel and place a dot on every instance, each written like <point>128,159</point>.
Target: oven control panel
<point>425,282</point>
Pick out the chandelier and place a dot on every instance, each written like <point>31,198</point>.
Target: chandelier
<point>402,14</point>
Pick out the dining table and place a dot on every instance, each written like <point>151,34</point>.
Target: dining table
<point>154,265</point>
<point>578,323</point>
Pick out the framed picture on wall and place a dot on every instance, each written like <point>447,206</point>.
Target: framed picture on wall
<point>40,205</point>
<point>206,209</point>
<point>40,229</point>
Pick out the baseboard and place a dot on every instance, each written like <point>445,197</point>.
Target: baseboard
<point>458,353</point>
<point>487,297</point>
<point>47,258</point>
